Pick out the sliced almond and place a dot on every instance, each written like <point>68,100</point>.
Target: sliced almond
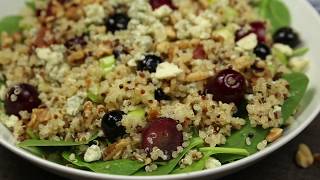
<point>274,134</point>
<point>304,157</point>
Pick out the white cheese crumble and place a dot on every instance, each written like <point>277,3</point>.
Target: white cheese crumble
<point>94,13</point>
<point>212,163</point>
<point>298,64</point>
<point>285,49</point>
<point>248,42</point>
<point>73,105</point>
<point>93,153</point>
<point>167,70</point>
<point>261,145</point>
<point>202,27</point>
<point>53,58</point>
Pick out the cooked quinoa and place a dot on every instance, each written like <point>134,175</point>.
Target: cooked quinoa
<point>82,71</point>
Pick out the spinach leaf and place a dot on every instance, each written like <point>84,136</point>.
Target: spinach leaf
<point>31,4</point>
<point>276,11</point>
<point>10,24</point>
<point>196,166</point>
<point>36,151</point>
<point>300,52</point>
<point>298,85</point>
<point>168,168</point>
<point>45,143</point>
<point>119,167</point>
<point>209,151</point>
<point>53,155</point>
<point>238,140</point>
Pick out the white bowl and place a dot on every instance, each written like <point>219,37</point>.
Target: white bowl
<point>305,20</point>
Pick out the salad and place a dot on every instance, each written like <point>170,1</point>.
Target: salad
<point>149,87</point>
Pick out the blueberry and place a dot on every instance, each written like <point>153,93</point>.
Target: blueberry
<point>287,36</point>
<point>111,125</point>
<point>262,51</point>
<point>227,86</point>
<point>160,95</point>
<point>149,63</point>
<point>117,22</point>
<point>21,97</point>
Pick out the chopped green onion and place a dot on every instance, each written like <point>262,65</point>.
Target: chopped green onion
<point>137,113</point>
<point>300,52</point>
<point>230,14</point>
<point>93,94</point>
<point>281,57</point>
<point>107,64</point>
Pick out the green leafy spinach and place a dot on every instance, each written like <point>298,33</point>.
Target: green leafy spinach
<point>298,85</point>
<point>275,11</point>
<point>10,24</point>
<point>46,143</point>
<point>169,167</point>
<point>209,151</point>
<point>118,167</point>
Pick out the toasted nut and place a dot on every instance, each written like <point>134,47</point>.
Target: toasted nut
<point>304,157</point>
<point>163,47</point>
<point>171,33</point>
<point>39,116</point>
<point>115,150</point>
<point>197,76</point>
<point>204,3</point>
<point>274,134</point>
<point>76,57</point>
<point>317,157</point>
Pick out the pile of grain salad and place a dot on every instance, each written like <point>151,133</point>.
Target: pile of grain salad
<point>154,86</point>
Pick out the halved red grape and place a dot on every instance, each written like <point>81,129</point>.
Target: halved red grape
<point>162,133</point>
<point>256,27</point>
<point>199,52</point>
<point>21,97</point>
<point>227,86</point>
<point>158,3</point>
<point>259,28</point>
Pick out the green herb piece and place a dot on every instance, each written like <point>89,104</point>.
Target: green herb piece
<point>280,56</point>
<point>167,169</point>
<point>238,140</point>
<point>107,64</point>
<point>10,24</point>
<point>31,134</point>
<point>298,85</point>
<point>230,14</point>
<point>118,167</point>
<point>276,11</point>
<point>93,94</point>
<point>138,113</point>
<point>46,143</point>
<point>209,151</point>
<point>300,52</point>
